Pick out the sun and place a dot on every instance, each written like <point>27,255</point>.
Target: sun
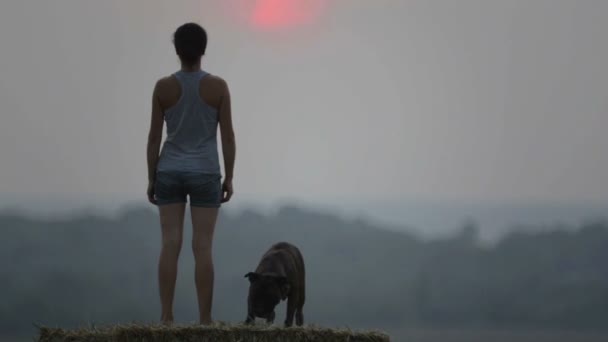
<point>282,14</point>
<point>276,15</point>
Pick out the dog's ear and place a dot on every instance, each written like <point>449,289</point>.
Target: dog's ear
<point>283,287</point>
<point>252,276</point>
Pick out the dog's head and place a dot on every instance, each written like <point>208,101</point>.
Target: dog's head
<point>265,292</point>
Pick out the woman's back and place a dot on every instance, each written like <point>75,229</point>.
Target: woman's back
<point>190,101</point>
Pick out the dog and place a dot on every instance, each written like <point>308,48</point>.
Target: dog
<point>279,276</point>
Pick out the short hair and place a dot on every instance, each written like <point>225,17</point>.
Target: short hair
<point>190,42</point>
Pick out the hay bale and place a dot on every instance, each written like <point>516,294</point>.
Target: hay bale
<point>213,333</point>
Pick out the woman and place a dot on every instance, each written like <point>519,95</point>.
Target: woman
<point>193,104</point>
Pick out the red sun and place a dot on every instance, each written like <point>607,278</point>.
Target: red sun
<point>276,15</point>
<point>280,14</point>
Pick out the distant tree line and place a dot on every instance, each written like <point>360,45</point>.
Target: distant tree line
<point>89,269</point>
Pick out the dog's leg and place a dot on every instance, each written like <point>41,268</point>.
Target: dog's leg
<point>299,316</point>
<point>250,316</point>
<point>270,318</point>
<point>291,310</point>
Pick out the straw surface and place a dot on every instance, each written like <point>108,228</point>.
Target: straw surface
<point>214,333</point>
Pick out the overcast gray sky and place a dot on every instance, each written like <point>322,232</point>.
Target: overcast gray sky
<point>465,100</point>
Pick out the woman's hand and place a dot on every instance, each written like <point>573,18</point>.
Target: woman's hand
<point>150,192</point>
<point>227,190</point>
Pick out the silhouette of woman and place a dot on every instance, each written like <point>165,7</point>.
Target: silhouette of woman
<point>192,103</point>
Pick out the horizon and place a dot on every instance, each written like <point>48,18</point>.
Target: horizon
<point>427,218</point>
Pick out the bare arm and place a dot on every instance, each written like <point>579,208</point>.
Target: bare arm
<point>154,139</point>
<point>228,140</point>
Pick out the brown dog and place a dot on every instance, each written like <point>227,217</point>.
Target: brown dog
<point>280,275</point>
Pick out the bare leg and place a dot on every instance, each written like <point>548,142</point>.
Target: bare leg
<point>203,224</point>
<point>172,227</point>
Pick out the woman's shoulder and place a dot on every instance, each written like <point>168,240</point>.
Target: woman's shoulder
<point>215,80</point>
<point>214,83</point>
<point>167,91</point>
<point>166,82</point>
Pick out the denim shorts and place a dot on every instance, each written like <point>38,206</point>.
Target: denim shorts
<point>204,190</point>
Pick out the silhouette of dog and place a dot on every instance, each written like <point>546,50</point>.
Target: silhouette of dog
<point>279,276</point>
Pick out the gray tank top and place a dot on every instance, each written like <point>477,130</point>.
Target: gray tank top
<point>191,142</point>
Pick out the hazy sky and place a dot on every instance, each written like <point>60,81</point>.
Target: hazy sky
<point>467,99</point>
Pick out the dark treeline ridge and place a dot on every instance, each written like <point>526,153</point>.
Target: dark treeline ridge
<point>90,269</point>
